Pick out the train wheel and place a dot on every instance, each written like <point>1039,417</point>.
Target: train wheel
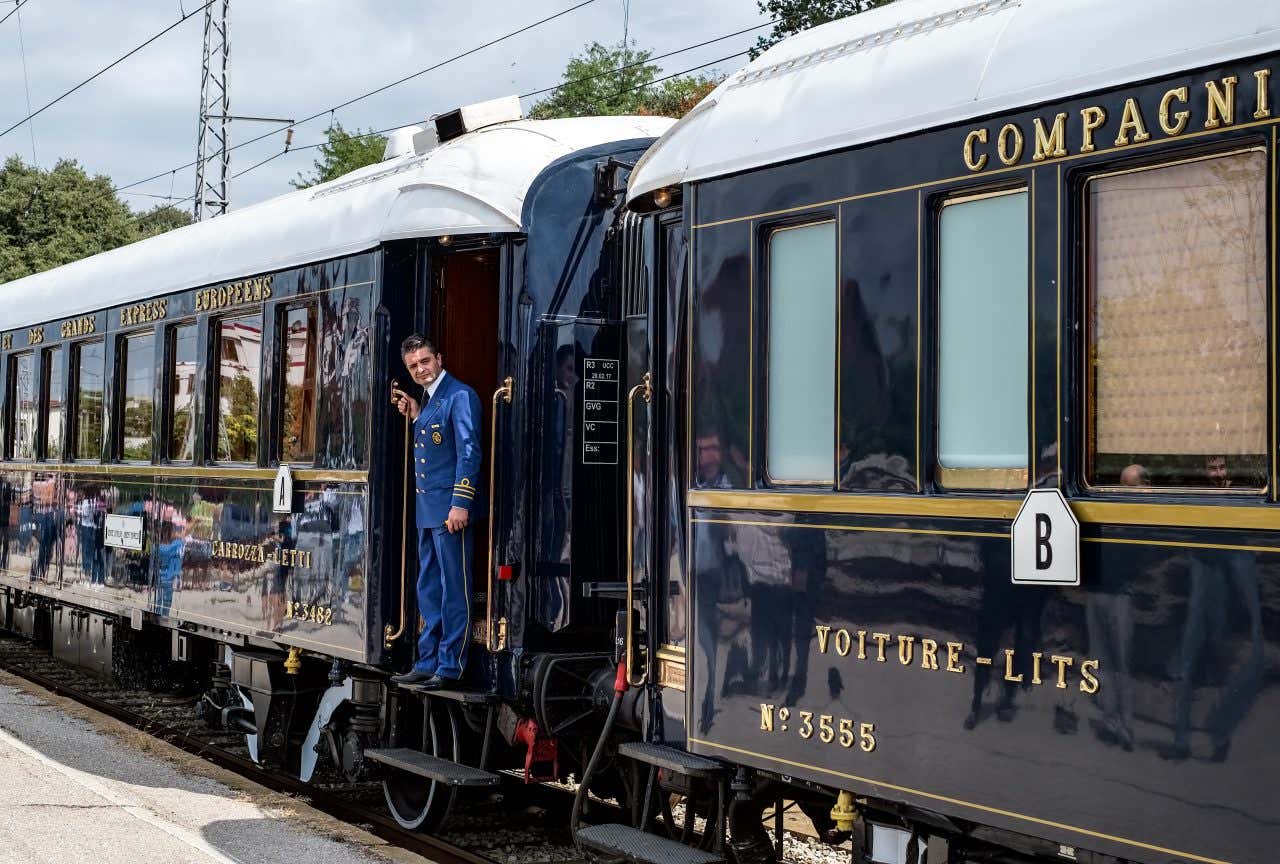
<point>416,803</point>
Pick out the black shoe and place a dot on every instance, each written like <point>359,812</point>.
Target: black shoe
<point>439,682</point>
<point>413,676</point>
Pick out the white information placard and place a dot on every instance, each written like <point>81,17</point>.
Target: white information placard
<point>122,532</point>
<point>1046,541</point>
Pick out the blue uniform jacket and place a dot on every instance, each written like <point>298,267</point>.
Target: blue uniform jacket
<point>446,453</point>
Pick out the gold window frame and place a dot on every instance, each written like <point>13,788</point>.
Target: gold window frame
<point>979,479</point>
<point>1088,378</point>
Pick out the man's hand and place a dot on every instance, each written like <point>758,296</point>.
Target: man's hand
<point>405,404</point>
<point>458,519</point>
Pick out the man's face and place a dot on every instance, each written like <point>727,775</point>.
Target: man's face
<point>424,365</point>
<point>1216,467</point>
<point>709,457</point>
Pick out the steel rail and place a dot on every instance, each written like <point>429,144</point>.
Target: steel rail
<point>380,825</point>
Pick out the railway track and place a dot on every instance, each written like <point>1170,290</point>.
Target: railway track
<point>486,833</point>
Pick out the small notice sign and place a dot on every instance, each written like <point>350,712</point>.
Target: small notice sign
<point>122,532</point>
<point>600,383</point>
<point>1045,537</point>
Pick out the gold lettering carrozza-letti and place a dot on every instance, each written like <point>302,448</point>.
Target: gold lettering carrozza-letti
<point>1175,114</point>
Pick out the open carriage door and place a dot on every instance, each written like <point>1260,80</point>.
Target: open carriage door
<point>654,265</point>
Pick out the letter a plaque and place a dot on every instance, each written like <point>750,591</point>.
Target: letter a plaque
<point>1045,540</point>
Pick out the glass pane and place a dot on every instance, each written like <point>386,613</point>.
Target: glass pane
<point>53,385</point>
<point>802,354</point>
<point>1177,267</point>
<point>22,396</point>
<point>298,367</point>
<point>982,342</point>
<point>137,357</point>
<point>89,378</point>
<point>182,376</point>
<point>239,364</point>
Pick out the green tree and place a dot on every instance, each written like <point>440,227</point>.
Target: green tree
<point>161,218</point>
<point>54,217</point>
<point>792,16</point>
<point>609,80</point>
<point>342,153</point>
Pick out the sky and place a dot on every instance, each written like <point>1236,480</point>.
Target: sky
<point>294,58</point>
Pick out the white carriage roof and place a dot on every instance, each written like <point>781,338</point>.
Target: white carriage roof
<point>475,184</point>
<point>918,64</point>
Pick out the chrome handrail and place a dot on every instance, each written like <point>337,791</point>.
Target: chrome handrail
<point>645,388</point>
<point>388,635</point>
<point>504,393</point>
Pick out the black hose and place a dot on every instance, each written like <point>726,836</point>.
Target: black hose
<point>580,797</point>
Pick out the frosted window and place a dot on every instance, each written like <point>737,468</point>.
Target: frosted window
<point>802,355</point>
<point>982,343</point>
<point>1177,267</point>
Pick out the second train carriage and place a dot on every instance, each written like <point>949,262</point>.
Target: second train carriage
<point>940,255</point>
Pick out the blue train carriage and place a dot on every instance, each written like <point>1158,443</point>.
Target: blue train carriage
<point>958,488</point>
<point>200,459</point>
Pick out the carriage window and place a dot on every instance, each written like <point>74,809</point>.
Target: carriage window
<point>89,371</point>
<point>800,443</point>
<point>24,410</point>
<point>298,370</point>
<point>137,379</point>
<point>51,387</point>
<point>982,342</point>
<point>181,395</point>
<point>1177,325</point>
<point>239,365</point>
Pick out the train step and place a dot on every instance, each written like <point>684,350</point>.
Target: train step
<point>642,847</point>
<point>444,771</point>
<point>468,697</point>
<point>671,759</point>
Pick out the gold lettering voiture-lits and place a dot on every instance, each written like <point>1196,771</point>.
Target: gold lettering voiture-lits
<point>924,653</point>
<point>1174,114</point>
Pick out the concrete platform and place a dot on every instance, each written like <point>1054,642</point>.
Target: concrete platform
<point>75,786</point>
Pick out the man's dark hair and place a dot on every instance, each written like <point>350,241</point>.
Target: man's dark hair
<point>414,341</point>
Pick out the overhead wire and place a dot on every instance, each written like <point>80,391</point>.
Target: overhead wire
<point>104,69</point>
<point>26,82</point>
<point>579,80</point>
<point>330,111</point>
<point>21,3</point>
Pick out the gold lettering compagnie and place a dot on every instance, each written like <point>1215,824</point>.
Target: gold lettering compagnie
<point>144,313</point>
<point>82,326</point>
<point>933,656</point>
<point>1174,115</point>
<point>234,294</point>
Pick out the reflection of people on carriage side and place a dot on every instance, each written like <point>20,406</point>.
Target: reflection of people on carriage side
<point>173,541</point>
<point>276,577</point>
<point>90,514</point>
<point>1109,621</point>
<point>1219,580</point>
<point>352,553</point>
<point>1005,607</point>
<point>710,570</point>
<point>44,494</point>
<point>766,562</point>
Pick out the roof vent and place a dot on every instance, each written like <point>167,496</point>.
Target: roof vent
<point>469,118</point>
<point>400,142</point>
<point>410,141</point>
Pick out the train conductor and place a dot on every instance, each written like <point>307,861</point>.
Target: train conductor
<point>446,469</point>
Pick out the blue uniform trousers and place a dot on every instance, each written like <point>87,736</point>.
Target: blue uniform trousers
<point>444,600</point>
